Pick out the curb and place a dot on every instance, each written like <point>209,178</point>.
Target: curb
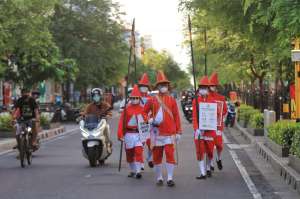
<point>7,145</point>
<point>280,165</point>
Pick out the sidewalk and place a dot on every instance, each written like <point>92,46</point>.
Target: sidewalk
<point>279,164</point>
<point>7,144</point>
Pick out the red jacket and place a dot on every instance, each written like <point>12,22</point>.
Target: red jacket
<point>171,122</point>
<point>132,111</point>
<point>220,99</point>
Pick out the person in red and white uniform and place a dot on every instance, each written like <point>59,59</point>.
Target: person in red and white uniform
<point>144,86</point>
<point>222,112</point>
<point>167,128</point>
<point>203,137</point>
<point>129,133</point>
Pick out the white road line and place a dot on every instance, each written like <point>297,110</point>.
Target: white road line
<point>238,146</point>
<point>245,175</point>
<point>225,140</point>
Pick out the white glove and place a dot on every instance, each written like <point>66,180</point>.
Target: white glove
<point>198,134</point>
<point>177,138</point>
<point>150,121</point>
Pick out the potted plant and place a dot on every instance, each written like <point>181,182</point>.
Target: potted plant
<point>45,120</point>
<point>294,158</point>
<point>256,124</point>
<point>280,135</point>
<point>6,127</point>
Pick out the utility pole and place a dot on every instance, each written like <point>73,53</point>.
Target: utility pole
<point>297,77</point>
<point>205,51</point>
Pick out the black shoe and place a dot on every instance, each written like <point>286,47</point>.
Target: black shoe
<point>150,164</point>
<point>171,183</point>
<point>160,183</point>
<point>212,168</point>
<point>138,176</point>
<point>202,177</point>
<point>131,175</point>
<point>142,168</point>
<point>209,174</point>
<point>220,165</point>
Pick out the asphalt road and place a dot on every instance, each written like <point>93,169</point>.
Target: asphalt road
<point>60,172</point>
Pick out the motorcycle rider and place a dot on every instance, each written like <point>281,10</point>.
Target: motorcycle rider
<point>26,108</point>
<point>99,108</point>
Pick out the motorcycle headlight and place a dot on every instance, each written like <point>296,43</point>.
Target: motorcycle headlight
<point>84,132</point>
<point>29,129</point>
<point>186,108</point>
<point>191,108</point>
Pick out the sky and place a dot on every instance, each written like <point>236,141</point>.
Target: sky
<point>161,20</point>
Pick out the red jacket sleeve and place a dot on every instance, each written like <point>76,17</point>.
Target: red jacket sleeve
<point>120,127</point>
<point>225,109</point>
<point>176,117</point>
<point>195,117</point>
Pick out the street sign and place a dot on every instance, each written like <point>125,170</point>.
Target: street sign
<point>295,55</point>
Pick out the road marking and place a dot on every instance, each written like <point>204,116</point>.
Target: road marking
<point>245,175</point>
<point>225,139</point>
<point>238,146</point>
<point>44,141</point>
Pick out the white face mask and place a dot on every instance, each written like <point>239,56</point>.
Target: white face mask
<point>203,91</point>
<point>163,89</point>
<point>144,89</point>
<point>213,88</point>
<point>135,101</point>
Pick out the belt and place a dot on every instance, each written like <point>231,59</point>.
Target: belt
<point>132,131</point>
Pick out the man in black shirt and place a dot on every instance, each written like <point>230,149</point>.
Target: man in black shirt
<point>27,109</point>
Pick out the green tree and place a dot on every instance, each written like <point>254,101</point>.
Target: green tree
<point>88,32</point>
<point>29,54</point>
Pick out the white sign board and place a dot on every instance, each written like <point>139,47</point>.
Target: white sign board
<point>144,129</point>
<point>208,117</point>
<point>295,55</point>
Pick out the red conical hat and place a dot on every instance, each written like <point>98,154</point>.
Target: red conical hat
<point>161,78</point>
<point>204,81</point>
<point>214,80</point>
<point>135,92</point>
<point>144,80</point>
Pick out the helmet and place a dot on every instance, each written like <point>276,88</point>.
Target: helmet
<point>96,91</point>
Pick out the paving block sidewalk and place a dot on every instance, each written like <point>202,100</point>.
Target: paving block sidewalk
<point>6,144</point>
<point>279,164</point>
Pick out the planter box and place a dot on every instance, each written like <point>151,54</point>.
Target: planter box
<point>243,123</point>
<point>255,132</point>
<point>277,149</point>
<point>294,162</point>
<point>52,126</point>
<point>7,134</point>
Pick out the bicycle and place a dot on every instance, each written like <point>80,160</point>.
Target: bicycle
<point>24,141</point>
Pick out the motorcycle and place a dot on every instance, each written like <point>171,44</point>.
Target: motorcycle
<point>189,112</point>
<point>230,119</point>
<point>96,143</point>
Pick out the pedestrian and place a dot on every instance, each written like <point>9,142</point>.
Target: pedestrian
<point>144,87</point>
<point>128,131</point>
<point>167,128</point>
<point>222,112</point>
<point>205,125</point>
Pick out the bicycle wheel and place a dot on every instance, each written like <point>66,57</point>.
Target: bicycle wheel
<point>29,149</point>
<point>22,149</point>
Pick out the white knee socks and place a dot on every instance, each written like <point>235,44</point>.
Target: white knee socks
<point>158,171</point>
<point>170,170</point>
<point>132,167</point>
<point>202,167</point>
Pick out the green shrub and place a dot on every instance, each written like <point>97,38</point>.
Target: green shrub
<point>46,119</point>
<point>257,120</point>
<point>6,122</point>
<point>245,112</point>
<point>295,149</point>
<point>282,132</point>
